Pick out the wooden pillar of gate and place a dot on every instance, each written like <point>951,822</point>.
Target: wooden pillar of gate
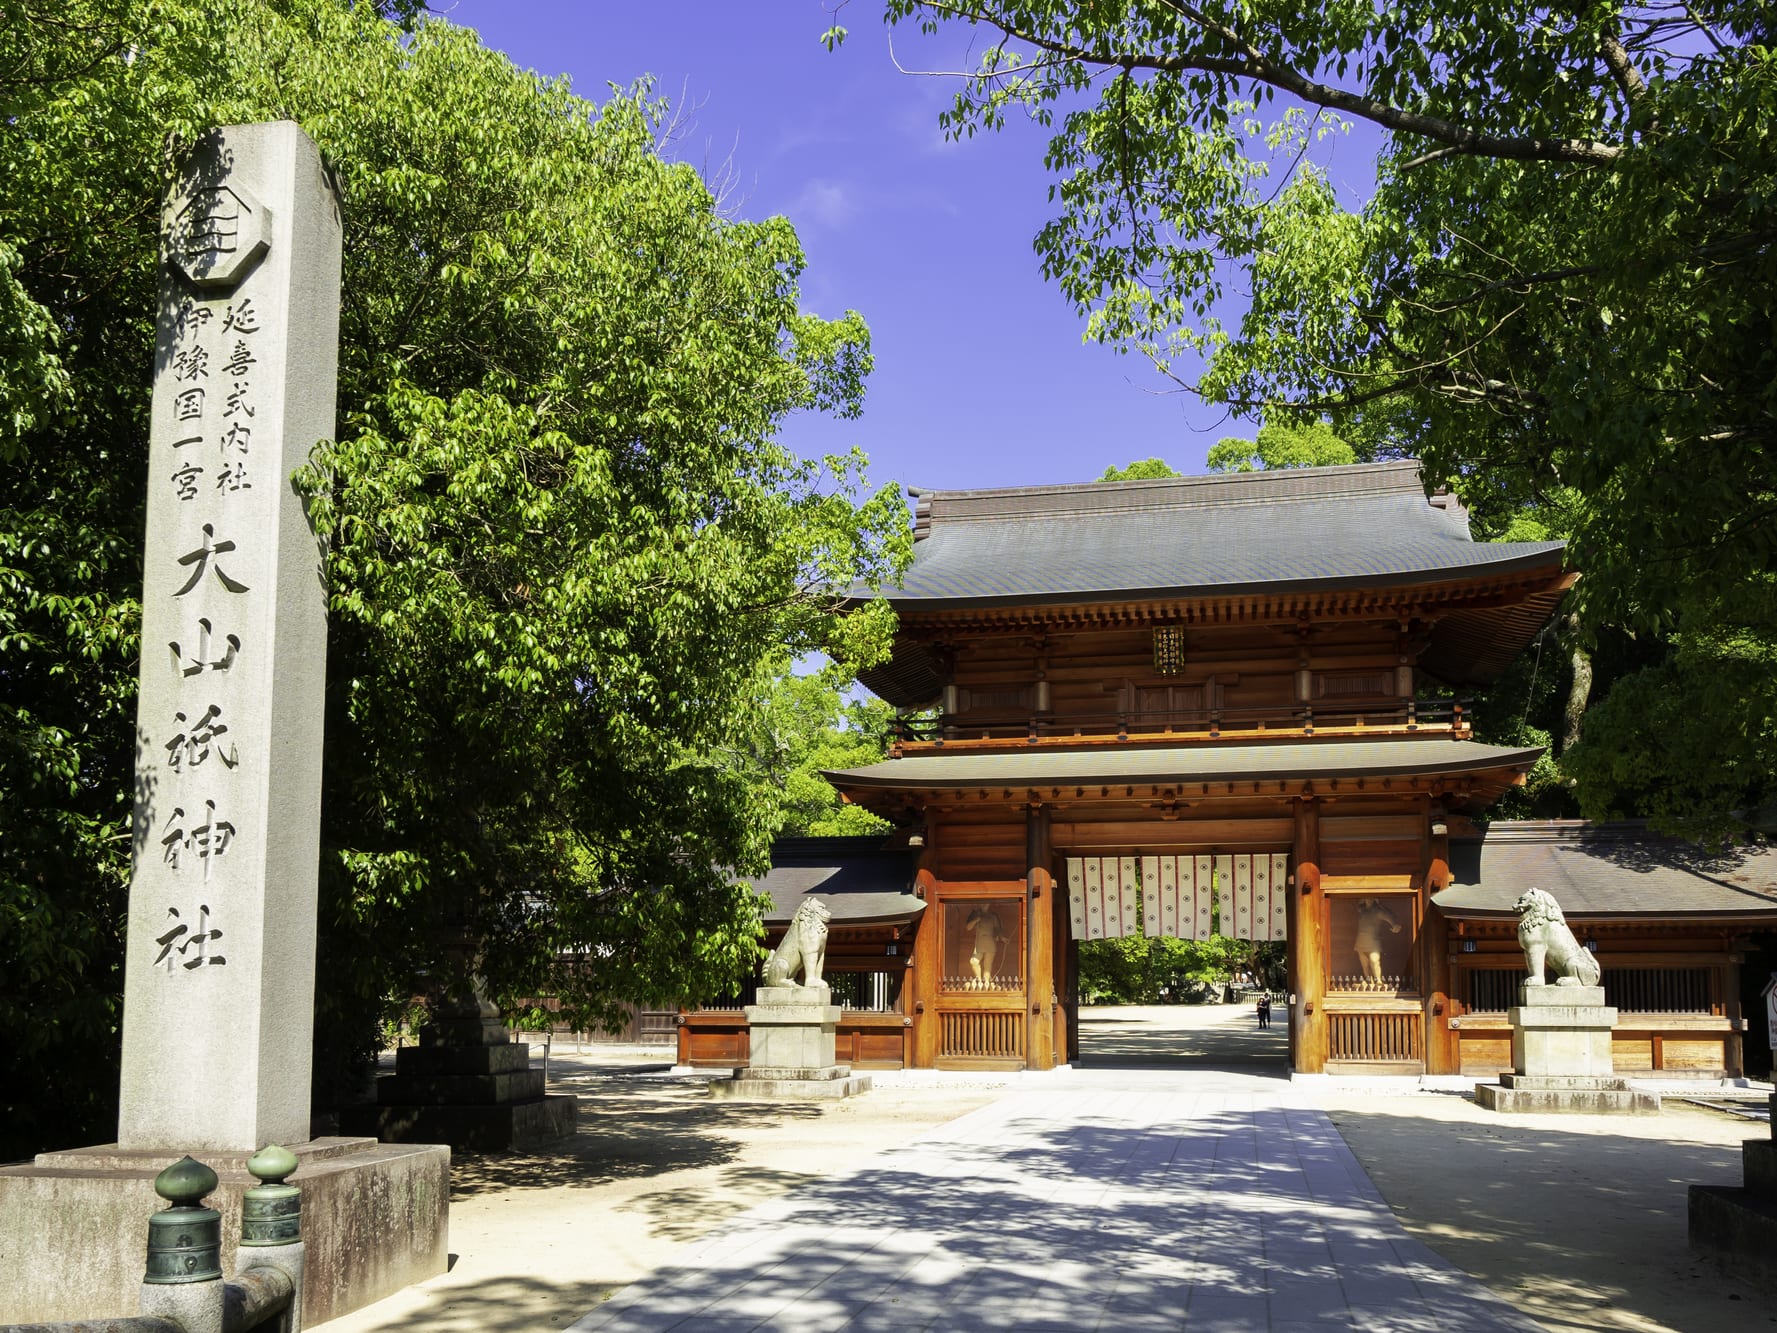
<point>920,990</point>
<point>1441,1052</point>
<point>1308,946</point>
<point>1040,988</point>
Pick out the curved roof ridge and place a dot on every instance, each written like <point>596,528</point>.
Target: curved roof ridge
<point>1219,489</point>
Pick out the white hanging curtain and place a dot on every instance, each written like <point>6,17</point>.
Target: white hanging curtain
<point>1175,897</point>
<point>1102,897</point>
<point>1252,895</point>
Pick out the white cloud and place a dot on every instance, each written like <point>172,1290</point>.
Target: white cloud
<point>824,203</point>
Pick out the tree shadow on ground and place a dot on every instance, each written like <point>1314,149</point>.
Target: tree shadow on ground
<point>506,1304</point>
<point>688,1212</point>
<point>1250,1219</point>
<point>628,1128</point>
<point>1261,1217</point>
<point>1583,1230</point>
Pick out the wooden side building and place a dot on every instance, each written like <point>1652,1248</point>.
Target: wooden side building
<point>1141,706</point>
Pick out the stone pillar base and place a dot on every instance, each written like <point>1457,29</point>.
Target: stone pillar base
<point>74,1225</point>
<point>1562,1031</point>
<point>468,1084</point>
<point>1736,1227</point>
<point>1565,1095</point>
<point>1739,1226</point>
<point>793,1027</point>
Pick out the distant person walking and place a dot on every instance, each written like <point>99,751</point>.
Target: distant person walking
<point>1264,1010</point>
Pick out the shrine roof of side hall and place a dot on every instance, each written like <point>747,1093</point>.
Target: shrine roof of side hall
<point>1368,524</point>
<point>862,880</point>
<point>1607,870</point>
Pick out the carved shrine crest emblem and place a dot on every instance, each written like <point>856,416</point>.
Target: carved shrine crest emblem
<point>216,233</point>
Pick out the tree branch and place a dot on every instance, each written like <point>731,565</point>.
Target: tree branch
<point>1515,284</point>
<point>1252,63</point>
<point>1628,78</point>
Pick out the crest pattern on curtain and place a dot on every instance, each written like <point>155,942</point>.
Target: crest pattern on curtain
<point>1110,897</point>
<point>1175,897</point>
<point>1252,895</point>
<point>1102,897</point>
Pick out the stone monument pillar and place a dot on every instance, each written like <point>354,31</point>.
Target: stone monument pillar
<point>219,971</point>
<point>220,974</point>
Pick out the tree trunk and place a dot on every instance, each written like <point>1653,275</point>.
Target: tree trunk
<point>1577,696</point>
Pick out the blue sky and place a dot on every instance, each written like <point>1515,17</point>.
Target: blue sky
<point>981,378</point>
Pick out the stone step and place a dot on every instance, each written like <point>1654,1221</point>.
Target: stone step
<point>745,1087</point>
<point>1566,1101</point>
<point>1565,1082</point>
<point>525,1085</point>
<point>431,1060</point>
<point>814,1073</point>
<point>465,1032</point>
<point>477,1128</point>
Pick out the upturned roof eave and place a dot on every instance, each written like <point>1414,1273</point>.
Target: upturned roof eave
<point>904,601</point>
<point>1299,760</point>
<point>900,916</point>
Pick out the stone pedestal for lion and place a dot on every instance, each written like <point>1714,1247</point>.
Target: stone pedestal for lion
<point>1561,1034</point>
<point>1561,1058</point>
<point>792,1050</point>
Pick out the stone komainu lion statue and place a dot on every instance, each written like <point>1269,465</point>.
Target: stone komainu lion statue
<point>1543,933</point>
<point>803,949</point>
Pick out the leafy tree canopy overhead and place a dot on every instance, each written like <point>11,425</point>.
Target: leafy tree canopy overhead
<point>1563,274</point>
<point>567,552</point>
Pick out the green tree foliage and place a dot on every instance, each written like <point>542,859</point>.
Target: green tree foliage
<point>1650,747</point>
<point>567,553</point>
<point>1558,294</point>
<point>1280,445</point>
<point>1142,469</point>
<point>1138,970</point>
<point>811,725</point>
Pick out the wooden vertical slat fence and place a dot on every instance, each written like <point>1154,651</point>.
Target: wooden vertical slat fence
<point>1376,1038</point>
<point>1641,990</point>
<point>983,1035</point>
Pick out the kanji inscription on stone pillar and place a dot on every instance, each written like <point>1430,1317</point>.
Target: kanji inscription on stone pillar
<point>220,971</point>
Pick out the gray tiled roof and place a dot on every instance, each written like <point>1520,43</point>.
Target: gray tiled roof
<point>860,881</point>
<point>1309,527</point>
<point>1608,870</point>
<point>1212,762</point>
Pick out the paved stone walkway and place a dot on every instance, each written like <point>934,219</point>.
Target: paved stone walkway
<point>1091,1199</point>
